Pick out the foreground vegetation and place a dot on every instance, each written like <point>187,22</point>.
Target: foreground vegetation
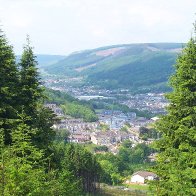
<point>176,162</point>
<point>117,168</point>
<point>32,161</point>
<point>106,190</point>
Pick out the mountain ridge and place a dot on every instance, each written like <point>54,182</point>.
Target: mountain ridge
<point>125,65</point>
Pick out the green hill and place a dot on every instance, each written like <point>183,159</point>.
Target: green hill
<point>72,106</point>
<point>129,66</point>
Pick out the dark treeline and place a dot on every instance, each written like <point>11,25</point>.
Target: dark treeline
<point>31,161</point>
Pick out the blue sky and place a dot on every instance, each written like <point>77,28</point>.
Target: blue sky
<point>65,26</point>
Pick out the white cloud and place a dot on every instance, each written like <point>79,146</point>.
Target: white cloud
<point>62,26</point>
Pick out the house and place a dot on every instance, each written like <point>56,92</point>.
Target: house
<point>141,177</point>
<point>104,138</point>
<point>79,138</point>
<point>55,108</point>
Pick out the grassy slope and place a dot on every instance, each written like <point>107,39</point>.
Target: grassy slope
<point>115,191</point>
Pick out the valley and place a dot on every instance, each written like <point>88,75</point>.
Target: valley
<point>121,111</point>
<point>107,101</point>
<point>97,98</point>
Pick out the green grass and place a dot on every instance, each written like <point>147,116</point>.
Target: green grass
<point>120,191</point>
<point>138,187</point>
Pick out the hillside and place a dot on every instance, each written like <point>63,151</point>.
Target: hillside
<point>72,106</point>
<point>130,66</point>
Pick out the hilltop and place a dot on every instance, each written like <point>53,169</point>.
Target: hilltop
<point>134,66</point>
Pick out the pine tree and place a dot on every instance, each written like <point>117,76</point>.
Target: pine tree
<point>43,122</point>
<point>8,87</point>
<point>22,164</point>
<point>31,99</point>
<point>176,162</point>
<point>83,166</point>
<point>31,91</point>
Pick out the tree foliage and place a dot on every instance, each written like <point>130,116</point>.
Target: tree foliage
<point>22,168</point>
<point>78,110</point>
<point>31,91</point>
<point>72,106</point>
<point>177,157</point>
<point>29,165</point>
<point>124,163</point>
<point>9,79</point>
<point>31,96</point>
<point>83,166</point>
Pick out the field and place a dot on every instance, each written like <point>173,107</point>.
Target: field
<point>135,190</point>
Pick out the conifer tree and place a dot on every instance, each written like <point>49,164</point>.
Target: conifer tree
<point>176,162</point>
<point>22,164</point>
<point>8,87</point>
<point>83,166</point>
<point>43,122</point>
<point>31,91</point>
<point>31,99</point>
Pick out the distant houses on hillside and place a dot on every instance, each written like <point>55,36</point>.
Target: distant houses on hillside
<point>91,132</point>
<point>115,119</point>
<point>55,108</point>
<point>77,125</point>
<point>111,137</point>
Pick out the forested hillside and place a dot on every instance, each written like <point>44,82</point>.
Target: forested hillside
<point>72,106</point>
<point>129,66</point>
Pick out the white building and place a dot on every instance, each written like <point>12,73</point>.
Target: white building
<point>140,177</point>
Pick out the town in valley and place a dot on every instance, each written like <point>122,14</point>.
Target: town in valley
<point>113,126</point>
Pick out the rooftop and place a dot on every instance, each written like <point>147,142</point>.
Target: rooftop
<point>144,173</point>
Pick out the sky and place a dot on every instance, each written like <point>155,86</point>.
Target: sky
<point>65,26</point>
